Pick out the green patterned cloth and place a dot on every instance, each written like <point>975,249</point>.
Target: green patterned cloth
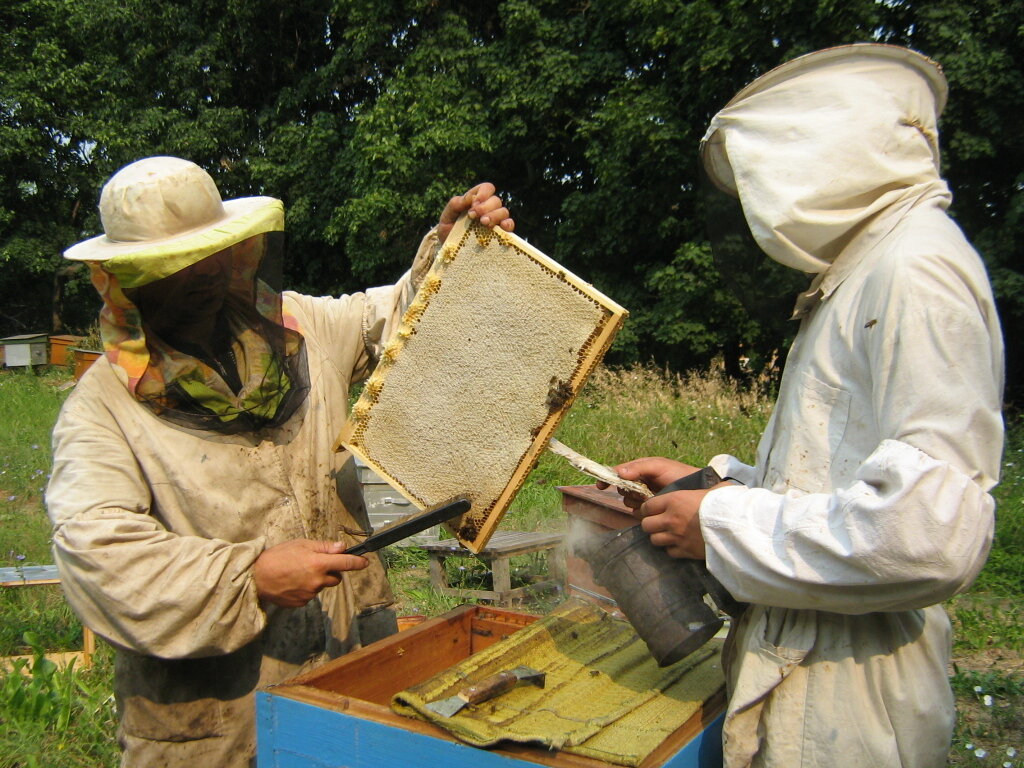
<point>605,697</point>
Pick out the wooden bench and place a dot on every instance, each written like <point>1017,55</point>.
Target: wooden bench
<point>503,546</point>
<point>41,575</point>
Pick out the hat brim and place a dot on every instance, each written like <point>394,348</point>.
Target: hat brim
<point>214,235</point>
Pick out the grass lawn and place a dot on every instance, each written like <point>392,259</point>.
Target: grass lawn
<point>65,718</point>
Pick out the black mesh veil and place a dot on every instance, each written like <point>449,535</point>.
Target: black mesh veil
<point>250,372</point>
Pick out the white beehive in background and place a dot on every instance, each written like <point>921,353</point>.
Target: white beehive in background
<point>26,349</point>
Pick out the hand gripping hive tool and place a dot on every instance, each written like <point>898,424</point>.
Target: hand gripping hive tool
<point>487,689</point>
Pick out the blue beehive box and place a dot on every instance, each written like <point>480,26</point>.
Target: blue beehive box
<point>339,714</point>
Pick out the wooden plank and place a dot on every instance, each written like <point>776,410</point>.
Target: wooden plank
<point>496,556</point>
<point>518,545</point>
<point>88,646</point>
<point>438,574</point>
<point>32,583</point>
<point>413,655</point>
<point>489,628</point>
<point>29,575</point>
<point>501,576</point>
<point>468,594</point>
<point>60,658</point>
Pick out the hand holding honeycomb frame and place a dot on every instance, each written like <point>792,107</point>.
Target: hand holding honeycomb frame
<point>487,359</point>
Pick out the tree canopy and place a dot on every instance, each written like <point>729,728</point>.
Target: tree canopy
<point>364,117</point>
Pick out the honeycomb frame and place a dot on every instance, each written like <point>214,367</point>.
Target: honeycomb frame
<point>383,428</point>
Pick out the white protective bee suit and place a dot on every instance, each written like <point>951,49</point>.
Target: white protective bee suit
<point>868,505</point>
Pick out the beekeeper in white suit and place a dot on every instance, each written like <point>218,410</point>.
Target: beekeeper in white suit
<point>869,503</point>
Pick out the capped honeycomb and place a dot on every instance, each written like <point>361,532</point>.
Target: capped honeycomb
<point>488,357</point>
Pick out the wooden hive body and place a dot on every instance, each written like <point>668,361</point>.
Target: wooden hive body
<point>340,713</point>
<point>487,359</point>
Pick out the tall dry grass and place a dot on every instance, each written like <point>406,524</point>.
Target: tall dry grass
<point>628,413</point>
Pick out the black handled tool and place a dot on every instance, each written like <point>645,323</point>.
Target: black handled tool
<point>411,526</point>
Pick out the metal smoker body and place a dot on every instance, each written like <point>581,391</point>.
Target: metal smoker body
<point>662,596</point>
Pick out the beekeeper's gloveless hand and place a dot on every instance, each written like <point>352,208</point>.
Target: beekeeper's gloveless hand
<point>672,520</point>
<point>291,574</point>
<point>480,203</point>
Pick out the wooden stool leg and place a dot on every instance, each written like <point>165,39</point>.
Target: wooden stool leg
<point>501,578</point>
<point>557,565</point>
<point>438,575</point>
<point>88,646</point>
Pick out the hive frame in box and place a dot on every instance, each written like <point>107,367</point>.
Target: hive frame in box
<point>485,362</point>
<point>339,713</point>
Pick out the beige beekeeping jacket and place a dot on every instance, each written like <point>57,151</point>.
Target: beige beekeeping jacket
<point>869,503</point>
<point>157,527</point>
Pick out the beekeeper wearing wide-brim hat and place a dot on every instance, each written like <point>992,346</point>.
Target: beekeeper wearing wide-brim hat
<point>192,317</point>
<point>199,508</point>
<point>169,210</point>
<point>868,504</point>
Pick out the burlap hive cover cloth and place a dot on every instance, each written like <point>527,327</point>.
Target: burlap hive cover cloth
<point>489,356</point>
<point>604,697</point>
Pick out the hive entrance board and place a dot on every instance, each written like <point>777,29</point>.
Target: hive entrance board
<point>488,357</point>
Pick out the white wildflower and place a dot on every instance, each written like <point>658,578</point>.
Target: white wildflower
<point>980,753</point>
<point>987,699</point>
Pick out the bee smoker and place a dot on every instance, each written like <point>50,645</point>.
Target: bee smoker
<point>661,596</point>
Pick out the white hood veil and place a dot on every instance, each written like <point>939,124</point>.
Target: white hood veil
<point>830,147</point>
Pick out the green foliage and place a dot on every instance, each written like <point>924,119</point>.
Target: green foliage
<point>1004,572</point>
<point>37,691</point>
<point>365,117</point>
<point>55,716</point>
<point>979,44</point>
<point>983,621</point>
<point>990,723</point>
<point>28,409</point>
<point>42,608</point>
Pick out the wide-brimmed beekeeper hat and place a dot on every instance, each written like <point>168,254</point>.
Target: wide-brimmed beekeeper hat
<point>162,214</point>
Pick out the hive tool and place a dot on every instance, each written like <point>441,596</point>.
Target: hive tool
<point>411,526</point>
<point>487,689</point>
